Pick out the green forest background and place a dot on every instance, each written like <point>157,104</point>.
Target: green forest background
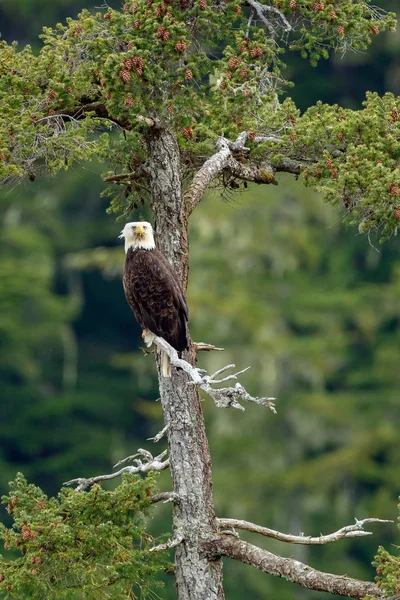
<point>275,279</point>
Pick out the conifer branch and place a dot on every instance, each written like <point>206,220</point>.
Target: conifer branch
<point>349,531</point>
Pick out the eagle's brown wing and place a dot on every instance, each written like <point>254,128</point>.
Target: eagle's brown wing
<point>155,295</point>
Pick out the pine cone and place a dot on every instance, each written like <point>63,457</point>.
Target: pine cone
<point>340,135</point>
<point>335,173</point>
<point>292,4</point>
<point>374,30</point>
<point>161,31</point>
<point>229,75</point>
<point>169,109</point>
<point>393,189</point>
<point>332,15</point>
<point>238,10</point>
<point>129,101</point>
<point>136,24</point>
<point>243,73</point>
<point>242,48</point>
<point>51,94</point>
<point>128,63</point>
<point>328,163</point>
<point>157,12</point>
<point>318,6</point>
<point>292,137</point>
<point>108,16</point>
<point>107,95</point>
<point>180,46</point>
<point>203,4</point>
<point>135,9</point>
<point>187,132</point>
<point>395,115</point>
<point>254,52</point>
<point>340,30</point>
<point>166,35</point>
<point>126,7</point>
<point>125,75</point>
<point>188,75</point>
<point>397,216</point>
<point>233,62</point>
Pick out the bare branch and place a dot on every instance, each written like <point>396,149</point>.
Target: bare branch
<point>165,497</point>
<point>151,464</point>
<point>223,397</point>
<point>261,8</point>
<point>172,543</point>
<point>204,347</point>
<point>205,175</point>
<point>355,530</point>
<point>290,569</point>
<point>159,435</point>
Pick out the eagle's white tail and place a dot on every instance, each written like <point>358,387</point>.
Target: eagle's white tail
<point>165,365</point>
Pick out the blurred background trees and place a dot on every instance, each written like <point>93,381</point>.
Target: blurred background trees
<point>275,279</point>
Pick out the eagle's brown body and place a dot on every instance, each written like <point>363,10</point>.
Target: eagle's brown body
<point>156,297</point>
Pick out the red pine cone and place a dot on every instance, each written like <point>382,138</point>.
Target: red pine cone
<point>243,73</point>
<point>130,46</point>
<point>188,75</point>
<point>397,216</point>
<point>332,15</point>
<point>136,24</point>
<point>374,30</point>
<point>166,35</point>
<point>161,31</point>
<point>180,46</point>
<point>68,90</point>
<point>135,9</point>
<point>203,4</point>
<point>254,52</point>
<point>128,63</point>
<point>393,189</point>
<point>108,15</point>
<point>340,135</point>
<point>169,109</point>
<point>107,95</point>
<point>335,173</point>
<point>169,15</point>
<point>125,75</point>
<point>51,94</point>
<point>229,74</point>
<point>233,62</point>
<point>157,11</point>
<point>340,30</point>
<point>395,115</point>
<point>318,6</point>
<point>238,10</point>
<point>129,102</point>
<point>126,7</point>
<point>292,4</point>
<point>187,132</point>
<point>328,163</point>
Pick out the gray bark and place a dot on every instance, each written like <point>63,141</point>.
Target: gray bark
<point>198,576</point>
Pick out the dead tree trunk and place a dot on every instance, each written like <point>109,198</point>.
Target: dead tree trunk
<point>197,576</point>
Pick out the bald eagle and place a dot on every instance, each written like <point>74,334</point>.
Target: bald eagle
<point>153,291</point>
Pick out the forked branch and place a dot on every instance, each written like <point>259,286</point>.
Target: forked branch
<point>149,463</point>
<point>223,397</point>
<point>356,530</point>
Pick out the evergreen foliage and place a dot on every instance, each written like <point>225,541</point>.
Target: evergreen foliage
<point>79,545</point>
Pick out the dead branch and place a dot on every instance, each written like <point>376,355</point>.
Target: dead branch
<point>204,347</point>
<point>248,171</point>
<point>205,175</point>
<point>290,569</point>
<point>150,463</point>
<point>349,531</point>
<point>223,397</point>
<point>165,497</point>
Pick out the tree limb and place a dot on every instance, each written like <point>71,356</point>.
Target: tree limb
<point>223,397</point>
<point>355,530</point>
<point>290,569</point>
<point>248,171</point>
<point>205,175</point>
<point>151,463</point>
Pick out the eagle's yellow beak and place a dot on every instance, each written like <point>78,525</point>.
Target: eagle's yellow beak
<point>139,230</point>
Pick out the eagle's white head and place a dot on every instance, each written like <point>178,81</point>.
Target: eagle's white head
<point>138,235</point>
